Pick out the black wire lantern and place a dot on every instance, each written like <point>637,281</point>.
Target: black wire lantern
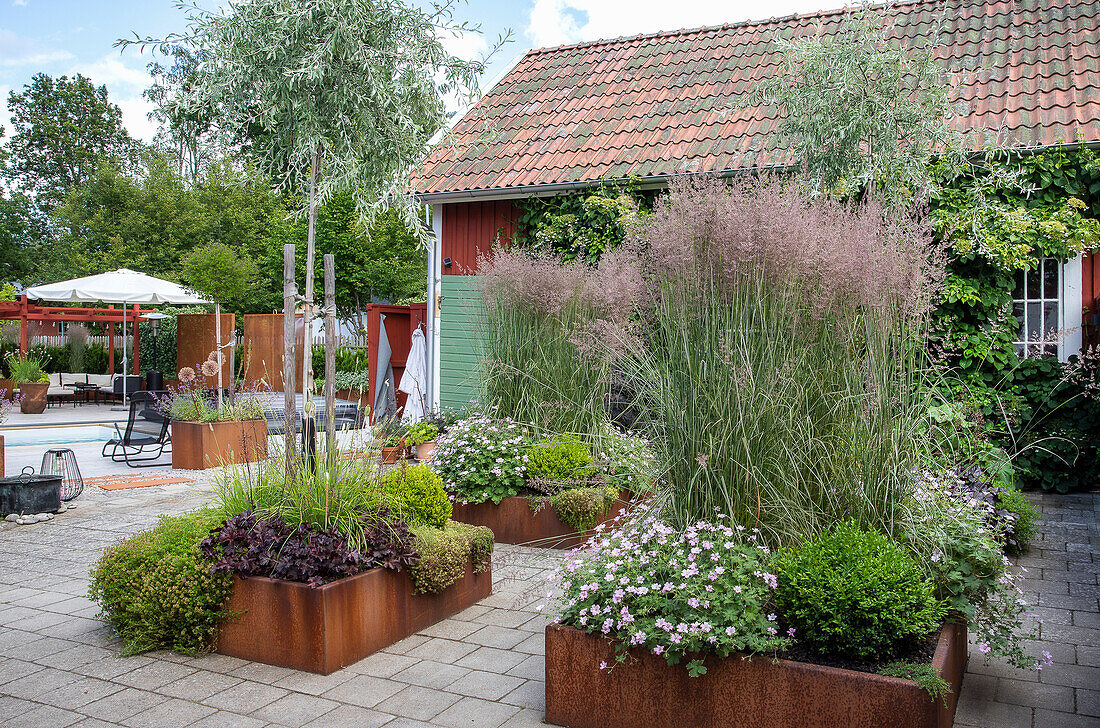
<point>63,462</point>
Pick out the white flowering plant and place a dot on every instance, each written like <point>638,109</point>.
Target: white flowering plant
<point>949,532</point>
<point>683,595</point>
<point>482,459</point>
<point>626,459</point>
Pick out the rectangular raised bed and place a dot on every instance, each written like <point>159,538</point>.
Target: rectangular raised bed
<point>756,692</point>
<point>324,629</point>
<point>200,445</point>
<point>515,521</point>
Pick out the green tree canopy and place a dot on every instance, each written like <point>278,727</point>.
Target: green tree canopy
<point>62,128</point>
<point>220,272</point>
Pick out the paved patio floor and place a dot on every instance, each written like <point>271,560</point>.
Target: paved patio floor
<point>59,665</point>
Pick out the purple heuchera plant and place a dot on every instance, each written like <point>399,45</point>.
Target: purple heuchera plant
<point>247,545</point>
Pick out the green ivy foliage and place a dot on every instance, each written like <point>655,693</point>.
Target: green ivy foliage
<point>581,225</point>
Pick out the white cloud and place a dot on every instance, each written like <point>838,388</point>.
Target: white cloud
<point>18,51</point>
<point>126,79</point>
<point>468,46</point>
<point>19,3</point>
<point>556,22</point>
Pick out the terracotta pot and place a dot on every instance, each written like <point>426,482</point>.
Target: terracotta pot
<point>321,630</point>
<point>200,445</point>
<point>393,454</point>
<point>756,692</point>
<point>7,388</point>
<point>33,397</point>
<point>515,521</point>
<point>424,450</point>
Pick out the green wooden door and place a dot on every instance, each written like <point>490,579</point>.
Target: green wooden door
<point>460,341</point>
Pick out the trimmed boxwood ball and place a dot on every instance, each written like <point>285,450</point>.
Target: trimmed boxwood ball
<point>560,459</point>
<point>855,594</point>
<point>158,592</point>
<point>416,494</point>
<point>580,508</point>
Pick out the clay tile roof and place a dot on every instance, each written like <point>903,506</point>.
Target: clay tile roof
<point>663,104</point>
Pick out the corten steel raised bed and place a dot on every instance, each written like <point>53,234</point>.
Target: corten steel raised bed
<point>324,629</point>
<point>757,692</point>
<point>200,445</point>
<point>514,521</point>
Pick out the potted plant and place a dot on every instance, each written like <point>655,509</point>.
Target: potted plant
<point>32,382</point>
<point>205,435</point>
<point>392,435</point>
<point>422,437</point>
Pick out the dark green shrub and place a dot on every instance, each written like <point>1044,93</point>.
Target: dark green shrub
<point>855,594</point>
<point>157,591</point>
<point>1017,535</point>
<point>922,674</point>
<point>444,552</point>
<point>581,507</point>
<point>559,460</point>
<point>416,495</point>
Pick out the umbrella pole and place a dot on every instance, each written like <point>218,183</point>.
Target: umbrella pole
<point>125,364</point>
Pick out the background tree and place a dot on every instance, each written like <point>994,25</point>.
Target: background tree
<point>22,229</point>
<point>61,129</point>
<point>225,275</point>
<point>188,134</point>
<point>350,90</point>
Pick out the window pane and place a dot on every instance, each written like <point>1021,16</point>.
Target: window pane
<point>1019,291</point>
<point>1034,351</point>
<point>1050,350</point>
<point>1020,352</point>
<point>1033,289</point>
<point>1050,318</point>
<point>1034,321</point>
<point>1018,312</point>
<point>1050,278</point>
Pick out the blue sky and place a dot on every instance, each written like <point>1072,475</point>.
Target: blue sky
<point>71,36</point>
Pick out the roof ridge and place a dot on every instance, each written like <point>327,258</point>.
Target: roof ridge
<point>727,26</point>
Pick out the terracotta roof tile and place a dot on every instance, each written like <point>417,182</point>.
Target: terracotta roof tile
<point>667,103</point>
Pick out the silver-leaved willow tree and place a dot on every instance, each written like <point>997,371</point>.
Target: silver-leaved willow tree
<point>326,96</point>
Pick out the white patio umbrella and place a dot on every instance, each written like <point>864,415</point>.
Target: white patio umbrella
<point>118,286</point>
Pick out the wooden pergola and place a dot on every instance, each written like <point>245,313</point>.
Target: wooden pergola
<point>24,311</point>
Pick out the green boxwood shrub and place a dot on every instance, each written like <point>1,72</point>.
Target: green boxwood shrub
<point>559,460</point>
<point>581,508</point>
<point>416,495</point>
<point>855,594</point>
<point>1018,537</point>
<point>157,591</point>
<point>444,552</point>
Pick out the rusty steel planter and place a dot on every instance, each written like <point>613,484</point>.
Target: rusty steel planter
<point>514,521</point>
<point>324,629</point>
<point>757,692</point>
<point>200,445</point>
<point>32,397</point>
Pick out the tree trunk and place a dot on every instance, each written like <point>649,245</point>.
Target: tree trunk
<point>309,422</point>
<point>330,365</point>
<point>290,294</point>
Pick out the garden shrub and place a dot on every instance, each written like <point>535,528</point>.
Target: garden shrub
<point>923,674</point>
<point>157,591</point>
<point>1018,531</point>
<point>855,594</point>
<point>422,432</point>
<point>580,508</point>
<point>559,460</point>
<point>416,494</point>
<point>444,553</point>
<point>681,594</point>
<point>482,459</point>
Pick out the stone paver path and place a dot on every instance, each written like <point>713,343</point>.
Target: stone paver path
<point>59,665</point>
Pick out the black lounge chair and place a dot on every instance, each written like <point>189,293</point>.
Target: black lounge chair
<point>140,449</point>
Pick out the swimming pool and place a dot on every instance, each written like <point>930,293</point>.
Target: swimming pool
<point>50,436</point>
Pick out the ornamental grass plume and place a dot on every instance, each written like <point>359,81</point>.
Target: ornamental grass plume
<point>781,346</point>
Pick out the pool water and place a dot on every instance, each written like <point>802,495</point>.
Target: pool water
<point>50,436</point>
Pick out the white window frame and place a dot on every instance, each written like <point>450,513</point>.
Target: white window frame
<point>1069,308</point>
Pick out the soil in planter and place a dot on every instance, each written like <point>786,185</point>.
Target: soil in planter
<point>919,652</point>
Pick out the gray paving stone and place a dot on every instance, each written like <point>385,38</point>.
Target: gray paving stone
<point>154,675</point>
<point>365,691</point>
<point>1034,694</point>
<point>486,685</point>
<point>93,723</point>
<point>1055,719</point>
<point>531,694</point>
<point>533,668</point>
<point>121,705</point>
<point>171,713</point>
<point>199,685</point>
<point>382,664</point>
<point>295,709</point>
<point>991,714</point>
<point>79,693</point>
<point>245,697</point>
<point>430,674</point>
<point>441,650</point>
<point>503,638</point>
<point>490,659</point>
<point>42,716</point>
<point>1078,676</point>
<point>475,713</point>
<point>525,719</point>
<point>418,703</point>
<point>348,716</point>
<point>13,669</point>
<point>29,687</point>
<point>451,629</point>
<point>307,682</point>
<point>225,719</point>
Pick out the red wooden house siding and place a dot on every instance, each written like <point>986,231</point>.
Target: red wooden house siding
<point>471,227</point>
<point>1090,297</point>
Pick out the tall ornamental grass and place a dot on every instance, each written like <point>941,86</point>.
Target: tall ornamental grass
<point>779,355</point>
<point>545,321</point>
